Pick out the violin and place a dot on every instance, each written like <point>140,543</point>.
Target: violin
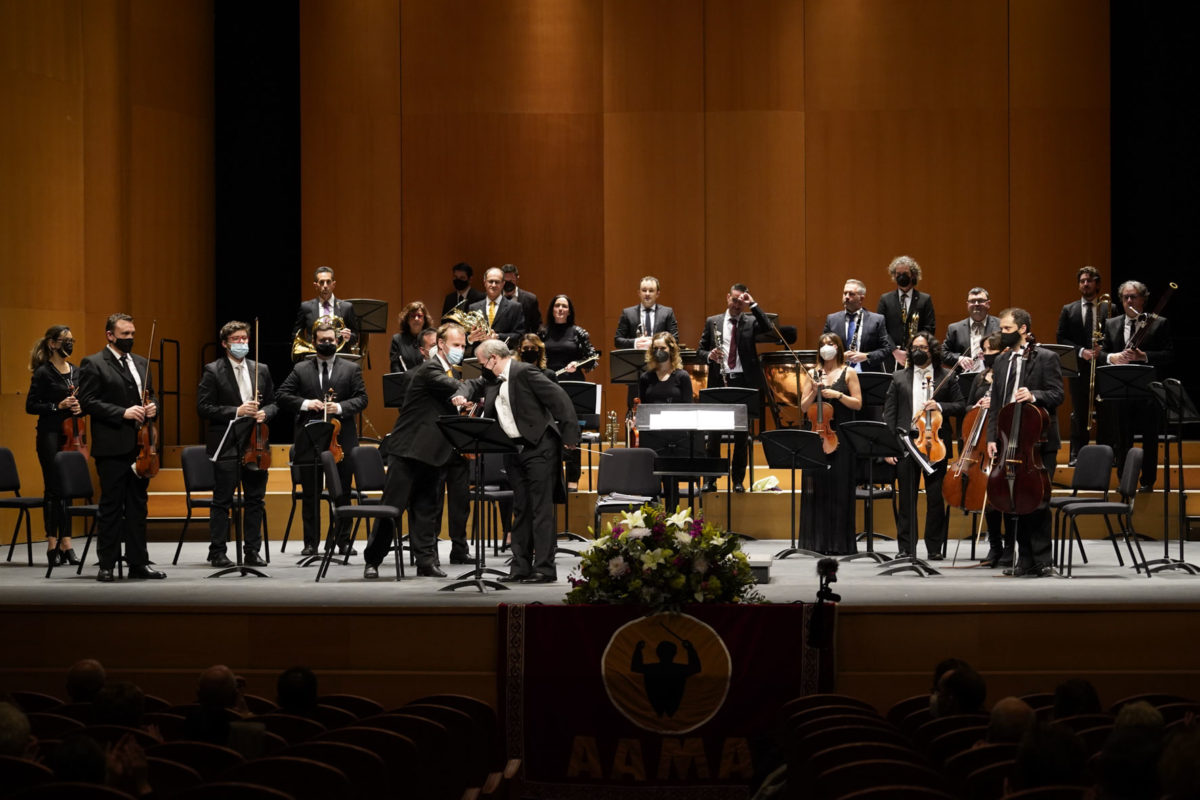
<point>966,482</point>
<point>1018,483</point>
<point>632,438</point>
<point>820,418</point>
<point>146,465</point>
<point>928,424</point>
<point>335,446</point>
<point>74,429</point>
<point>257,455</point>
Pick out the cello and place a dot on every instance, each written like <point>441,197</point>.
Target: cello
<point>146,465</point>
<point>1018,482</point>
<point>965,485</point>
<point>257,455</point>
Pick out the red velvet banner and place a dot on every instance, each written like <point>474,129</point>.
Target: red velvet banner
<point>605,702</point>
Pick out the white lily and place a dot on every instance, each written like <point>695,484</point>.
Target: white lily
<point>681,518</point>
<point>634,519</point>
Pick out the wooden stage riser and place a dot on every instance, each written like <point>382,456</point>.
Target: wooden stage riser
<point>398,654</point>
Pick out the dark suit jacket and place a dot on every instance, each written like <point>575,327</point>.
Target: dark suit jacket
<point>1156,344</point>
<point>627,326</point>
<point>105,391</point>
<point>404,347</point>
<point>874,339</point>
<point>958,336</point>
<point>529,306</point>
<point>747,351</point>
<point>921,304</point>
<point>305,384</point>
<point>218,397</point>
<point>310,311</point>
<point>898,409</point>
<point>539,405</point>
<point>1070,325</point>
<point>452,299</point>
<point>1043,377</point>
<point>416,434</point>
<point>509,324</point>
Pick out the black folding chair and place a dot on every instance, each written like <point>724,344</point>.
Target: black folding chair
<point>75,483</point>
<point>355,512</point>
<point>10,481</point>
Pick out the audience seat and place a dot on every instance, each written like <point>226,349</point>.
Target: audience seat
<point>210,760</point>
<point>302,778</point>
<point>360,707</point>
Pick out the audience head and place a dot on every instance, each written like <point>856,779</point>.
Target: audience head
<point>119,703</point>
<point>1010,718</point>
<point>1075,696</point>
<point>1179,766</point>
<point>957,689</point>
<point>14,731</point>
<point>1139,715</point>
<point>84,680</point>
<point>1048,755</point>
<point>218,687</point>
<point>79,759</point>
<point>296,690</point>
<point>1127,766</point>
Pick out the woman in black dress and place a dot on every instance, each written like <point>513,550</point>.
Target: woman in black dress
<point>827,498</point>
<point>1000,539</point>
<point>665,381</point>
<point>52,397</point>
<point>567,345</point>
<point>405,352</point>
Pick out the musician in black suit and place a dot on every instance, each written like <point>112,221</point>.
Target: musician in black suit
<point>539,417</point>
<point>464,293</point>
<point>527,300</point>
<point>111,385</point>
<point>1076,323</point>
<point>505,317</point>
<point>864,332</point>
<point>1034,379</point>
<point>727,343</point>
<point>906,309</point>
<point>1124,418</point>
<point>227,392</point>
<point>923,385</point>
<point>305,393</point>
<point>638,324</point>
<point>326,305</point>
<point>964,340</point>
<point>418,455</point>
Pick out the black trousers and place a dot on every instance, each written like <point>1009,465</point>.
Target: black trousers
<point>254,489</point>
<point>1033,530</point>
<point>1124,419</point>
<point>122,511</point>
<point>312,484</point>
<point>908,474</point>
<point>456,489</point>
<point>532,473</point>
<point>1078,388</point>
<point>53,516</point>
<point>713,447</point>
<point>1001,530</point>
<point>413,486</point>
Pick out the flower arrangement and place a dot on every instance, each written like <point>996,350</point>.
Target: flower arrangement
<point>663,561</point>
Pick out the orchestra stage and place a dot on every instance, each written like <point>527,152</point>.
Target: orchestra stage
<point>396,641</point>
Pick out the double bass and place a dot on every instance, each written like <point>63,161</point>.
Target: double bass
<point>146,465</point>
<point>966,482</point>
<point>1018,483</point>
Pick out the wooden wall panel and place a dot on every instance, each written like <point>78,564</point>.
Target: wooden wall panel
<point>754,55</point>
<point>653,55</point>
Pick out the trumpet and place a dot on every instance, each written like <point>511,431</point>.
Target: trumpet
<point>302,346</point>
<point>469,320</point>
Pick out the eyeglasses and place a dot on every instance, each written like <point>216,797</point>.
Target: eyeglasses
<point>1130,296</point>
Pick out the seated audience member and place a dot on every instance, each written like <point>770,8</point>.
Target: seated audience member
<point>1139,715</point>
<point>1076,696</point>
<point>1048,755</point>
<point>296,691</point>
<point>217,691</point>
<point>1009,719</point>
<point>15,738</point>
<point>958,690</point>
<point>1127,766</point>
<point>84,680</point>
<point>119,703</point>
<point>1179,766</point>
<point>79,759</point>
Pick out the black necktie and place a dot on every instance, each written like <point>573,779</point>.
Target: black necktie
<point>1087,321</point>
<point>731,359</point>
<point>649,329</point>
<point>324,375</point>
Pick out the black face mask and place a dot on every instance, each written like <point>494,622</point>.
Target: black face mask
<point>460,284</point>
<point>989,359</point>
<point>509,287</point>
<point>919,357</point>
<point>1010,340</point>
<point>66,348</point>
<point>326,349</point>
<point>662,356</point>
<point>904,280</point>
<point>124,345</point>
<point>529,356</point>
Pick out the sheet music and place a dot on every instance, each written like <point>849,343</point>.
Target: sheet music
<point>715,418</point>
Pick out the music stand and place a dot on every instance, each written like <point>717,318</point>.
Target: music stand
<point>1068,358</point>
<point>479,436</point>
<point>870,440</point>
<point>1180,410</point>
<point>372,317</point>
<point>794,449</point>
<point>911,563</point>
<point>675,420</point>
<point>585,397</point>
<point>314,439</point>
<point>230,449</point>
<point>735,396</point>
<point>874,386</point>
<point>470,369</point>
<point>395,384</point>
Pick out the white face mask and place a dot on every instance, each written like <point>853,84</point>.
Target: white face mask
<point>828,352</point>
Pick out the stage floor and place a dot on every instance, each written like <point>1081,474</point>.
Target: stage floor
<point>859,582</point>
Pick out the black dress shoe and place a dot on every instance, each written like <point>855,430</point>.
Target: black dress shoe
<point>430,571</point>
<point>144,573</point>
<point>539,578</point>
<point>934,557</point>
<point>68,557</point>
<point>903,554</point>
<point>220,562</point>
<point>513,578</point>
<point>253,560</point>
<point>105,575</point>
<point>370,571</point>
<point>739,489</point>
<point>709,486</point>
<point>461,560</point>
<point>343,548</point>
<point>1146,488</point>
<point>308,550</point>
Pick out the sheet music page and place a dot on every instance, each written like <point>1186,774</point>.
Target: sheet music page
<point>716,418</point>
<point>683,419</point>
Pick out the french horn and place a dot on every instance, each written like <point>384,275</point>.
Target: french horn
<point>302,346</point>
